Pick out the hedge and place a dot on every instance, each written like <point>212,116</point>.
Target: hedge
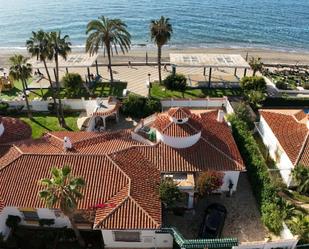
<point>264,190</point>
<point>286,102</point>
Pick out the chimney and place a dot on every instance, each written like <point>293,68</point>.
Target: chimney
<point>1,129</point>
<point>220,116</point>
<point>67,145</point>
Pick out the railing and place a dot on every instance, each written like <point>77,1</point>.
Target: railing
<point>200,243</point>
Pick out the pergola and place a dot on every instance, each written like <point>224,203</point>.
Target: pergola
<point>210,61</point>
<point>72,60</point>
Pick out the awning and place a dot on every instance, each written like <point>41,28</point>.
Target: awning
<point>73,60</point>
<point>209,60</point>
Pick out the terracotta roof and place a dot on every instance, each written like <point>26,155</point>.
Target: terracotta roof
<point>106,183</point>
<point>14,130</point>
<point>166,126</point>
<point>291,132</point>
<point>8,153</point>
<point>179,112</point>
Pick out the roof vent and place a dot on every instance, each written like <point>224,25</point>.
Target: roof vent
<point>67,144</point>
<point>220,117</point>
<point>1,129</point>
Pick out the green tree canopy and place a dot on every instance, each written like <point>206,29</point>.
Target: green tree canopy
<point>208,182</point>
<point>72,82</point>
<point>169,192</point>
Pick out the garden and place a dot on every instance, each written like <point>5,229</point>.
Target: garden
<point>288,78</point>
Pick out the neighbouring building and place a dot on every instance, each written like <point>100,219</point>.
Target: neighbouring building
<point>285,133</point>
<point>122,171</point>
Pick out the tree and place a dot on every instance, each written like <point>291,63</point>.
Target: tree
<point>59,46</point>
<point>209,181</point>
<point>63,191</point>
<point>108,34</point>
<point>161,31</point>
<point>254,89</point>
<point>177,82</point>
<point>38,46</point>
<point>256,64</point>
<point>272,217</point>
<point>73,83</point>
<point>21,70</point>
<point>169,192</point>
<point>301,178</point>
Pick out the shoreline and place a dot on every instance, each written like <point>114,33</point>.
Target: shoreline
<point>138,54</point>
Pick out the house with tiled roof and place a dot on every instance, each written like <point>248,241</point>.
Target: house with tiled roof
<point>122,171</point>
<point>285,132</point>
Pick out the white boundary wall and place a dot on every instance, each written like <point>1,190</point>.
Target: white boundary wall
<point>205,103</point>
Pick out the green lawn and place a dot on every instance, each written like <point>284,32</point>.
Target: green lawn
<point>160,92</point>
<point>103,89</point>
<point>42,123</point>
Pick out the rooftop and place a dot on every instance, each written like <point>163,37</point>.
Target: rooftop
<point>290,128</point>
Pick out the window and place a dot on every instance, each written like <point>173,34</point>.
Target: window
<point>30,215</point>
<point>127,236</point>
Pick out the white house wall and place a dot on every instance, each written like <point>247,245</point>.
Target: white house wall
<point>230,175</point>
<point>178,142</point>
<point>275,151</point>
<point>149,239</point>
<point>43,213</point>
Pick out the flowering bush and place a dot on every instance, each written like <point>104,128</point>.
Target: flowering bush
<point>208,182</point>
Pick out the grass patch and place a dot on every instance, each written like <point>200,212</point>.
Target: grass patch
<point>43,123</point>
<point>160,92</point>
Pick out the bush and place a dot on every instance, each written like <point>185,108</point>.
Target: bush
<point>271,217</point>
<point>3,107</point>
<point>137,106</point>
<point>176,82</point>
<point>264,190</point>
<point>281,85</point>
<point>208,182</point>
<point>169,193</point>
<point>301,178</point>
<point>254,83</point>
<point>73,83</point>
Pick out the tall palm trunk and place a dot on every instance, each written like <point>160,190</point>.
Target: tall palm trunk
<point>110,63</point>
<point>52,90</point>
<point>26,99</point>
<point>76,231</point>
<point>159,63</point>
<point>62,120</point>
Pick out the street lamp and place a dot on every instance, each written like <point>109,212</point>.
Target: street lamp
<point>148,84</point>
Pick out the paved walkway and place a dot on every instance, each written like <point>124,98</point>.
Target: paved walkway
<point>136,76</point>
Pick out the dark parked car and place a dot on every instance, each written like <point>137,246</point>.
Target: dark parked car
<point>213,221</point>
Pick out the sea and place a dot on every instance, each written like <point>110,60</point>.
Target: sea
<point>273,24</point>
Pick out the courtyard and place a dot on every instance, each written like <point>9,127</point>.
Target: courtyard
<point>243,220</point>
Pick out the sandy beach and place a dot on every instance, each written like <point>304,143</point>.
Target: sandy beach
<point>139,54</point>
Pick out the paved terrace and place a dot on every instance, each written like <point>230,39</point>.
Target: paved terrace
<point>136,76</point>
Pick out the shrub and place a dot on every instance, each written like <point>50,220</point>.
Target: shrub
<point>254,83</point>
<point>255,98</point>
<point>271,217</point>
<point>73,83</point>
<point>280,84</point>
<point>3,107</point>
<point>169,193</point>
<point>264,190</point>
<point>208,182</point>
<point>301,178</point>
<point>177,82</point>
<point>138,106</point>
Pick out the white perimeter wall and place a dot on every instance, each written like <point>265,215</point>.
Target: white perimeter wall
<point>275,151</point>
<point>149,239</point>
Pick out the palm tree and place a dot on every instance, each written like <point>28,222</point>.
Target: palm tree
<point>21,70</point>
<point>110,34</point>
<point>161,31</point>
<point>63,191</point>
<point>38,47</point>
<point>59,46</point>
<point>256,64</point>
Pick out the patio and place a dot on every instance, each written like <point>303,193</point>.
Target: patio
<point>242,221</point>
